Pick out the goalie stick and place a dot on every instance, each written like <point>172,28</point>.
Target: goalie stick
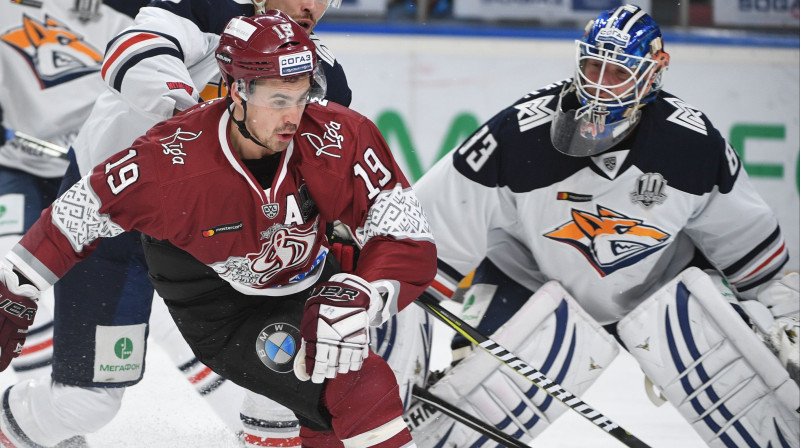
<point>552,388</point>
<point>33,145</point>
<point>458,415</point>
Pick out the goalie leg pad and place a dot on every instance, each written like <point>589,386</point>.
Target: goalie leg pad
<point>404,342</point>
<point>718,374</point>
<point>552,333</point>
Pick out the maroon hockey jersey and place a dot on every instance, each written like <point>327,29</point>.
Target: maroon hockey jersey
<point>183,182</point>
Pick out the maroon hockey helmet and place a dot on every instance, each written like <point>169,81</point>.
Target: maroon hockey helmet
<point>270,45</point>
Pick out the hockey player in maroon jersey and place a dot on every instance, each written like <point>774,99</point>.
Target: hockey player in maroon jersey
<point>234,196</point>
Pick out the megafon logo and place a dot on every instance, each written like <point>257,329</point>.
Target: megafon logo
<point>54,53</point>
<point>609,240</point>
<point>123,348</point>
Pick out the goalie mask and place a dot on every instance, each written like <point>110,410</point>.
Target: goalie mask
<point>269,46</point>
<point>619,63</point>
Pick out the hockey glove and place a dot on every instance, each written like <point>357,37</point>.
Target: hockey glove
<point>335,327</point>
<point>782,298</point>
<point>17,311</point>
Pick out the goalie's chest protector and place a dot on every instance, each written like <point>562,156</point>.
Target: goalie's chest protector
<point>610,227</point>
<point>254,238</point>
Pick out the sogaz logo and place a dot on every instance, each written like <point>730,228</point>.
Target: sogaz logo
<point>295,63</point>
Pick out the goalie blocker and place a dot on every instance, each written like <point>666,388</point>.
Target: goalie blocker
<point>707,362</point>
<point>550,331</point>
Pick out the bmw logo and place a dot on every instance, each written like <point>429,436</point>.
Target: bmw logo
<point>276,346</point>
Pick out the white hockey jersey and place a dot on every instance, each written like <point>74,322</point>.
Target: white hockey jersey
<point>611,228</point>
<point>50,59</point>
<point>162,63</point>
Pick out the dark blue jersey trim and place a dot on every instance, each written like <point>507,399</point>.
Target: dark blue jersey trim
<point>735,267</point>
<point>117,85</point>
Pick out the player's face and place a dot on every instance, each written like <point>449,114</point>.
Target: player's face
<point>616,79</point>
<point>275,110</point>
<point>305,12</point>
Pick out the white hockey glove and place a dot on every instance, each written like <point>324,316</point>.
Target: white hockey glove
<point>782,298</point>
<point>17,311</point>
<point>335,327</point>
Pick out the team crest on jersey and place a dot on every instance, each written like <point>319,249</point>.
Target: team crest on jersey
<point>609,240</point>
<point>649,189</point>
<point>54,53</point>
<point>610,163</point>
<point>276,346</point>
<point>330,140</point>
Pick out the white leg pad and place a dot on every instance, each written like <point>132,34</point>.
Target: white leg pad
<point>712,367</point>
<point>552,333</point>
<point>404,341</point>
<point>48,412</point>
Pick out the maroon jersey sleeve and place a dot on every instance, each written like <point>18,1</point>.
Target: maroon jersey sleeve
<point>387,219</point>
<point>120,194</point>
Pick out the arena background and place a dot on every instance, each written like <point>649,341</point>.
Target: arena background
<point>430,71</point>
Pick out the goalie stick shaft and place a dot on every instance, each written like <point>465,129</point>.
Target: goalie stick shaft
<point>33,145</point>
<point>469,420</point>
<point>540,380</point>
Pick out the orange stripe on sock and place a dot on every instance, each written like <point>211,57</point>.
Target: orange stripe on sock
<point>199,377</point>
<point>269,441</point>
<point>27,350</point>
<point>447,292</point>
<point>5,442</point>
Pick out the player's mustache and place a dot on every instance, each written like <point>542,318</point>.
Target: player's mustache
<point>287,128</point>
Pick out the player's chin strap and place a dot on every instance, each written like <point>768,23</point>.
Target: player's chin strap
<point>241,124</point>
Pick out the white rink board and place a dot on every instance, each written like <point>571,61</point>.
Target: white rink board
<point>430,80</point>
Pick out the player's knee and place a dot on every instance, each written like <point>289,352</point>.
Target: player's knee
<point>374,391</point>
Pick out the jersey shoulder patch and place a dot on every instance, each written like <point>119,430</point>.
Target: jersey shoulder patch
<point>513,148</point>
<point>677,140</point>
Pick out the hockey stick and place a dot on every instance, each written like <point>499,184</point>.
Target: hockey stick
<point>469,420</point>
<point>552,388</point>
<point>35,146</point>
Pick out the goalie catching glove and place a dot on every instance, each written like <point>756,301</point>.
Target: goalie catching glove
<point>335,327</point>
<point>17,311</point>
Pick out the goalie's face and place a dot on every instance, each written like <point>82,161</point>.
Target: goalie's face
<point>607,79</point>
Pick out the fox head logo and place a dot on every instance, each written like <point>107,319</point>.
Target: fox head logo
<point>54,53</point>
<point>609,240</point>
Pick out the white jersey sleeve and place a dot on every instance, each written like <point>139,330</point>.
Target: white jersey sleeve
<point>157,64</point>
